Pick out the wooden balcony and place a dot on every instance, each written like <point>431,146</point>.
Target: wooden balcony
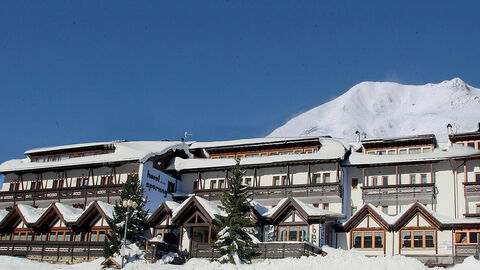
<point>472,191</point>
<point>59,194</point>
<point>52,250</point>
<point>273,250</point>
<point>401,194</point>
<point>278,192</point>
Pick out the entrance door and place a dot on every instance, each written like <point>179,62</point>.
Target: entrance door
<point>199,243</point>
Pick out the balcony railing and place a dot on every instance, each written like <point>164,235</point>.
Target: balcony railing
<point>275,192</point>
<point>52,250</point>
<point>274,250</point>
<point>60,194</point>
<point>392,194</point>
<point>472,191</point>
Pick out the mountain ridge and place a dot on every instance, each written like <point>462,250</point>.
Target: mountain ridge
<point>390,109</point>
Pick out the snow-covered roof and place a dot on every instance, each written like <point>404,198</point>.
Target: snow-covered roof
<point>106,208</point>
<point>3,214</point>
<point>172,205</point>
<point>244,142</point>
<point>392,220</point>
<point>317,212</point>
<point>69,213</point>
<point>453,151</point>
<point>210,207</point>
<point>331,149</point>
<point>69,147</point>
<point>139,151</point>
<point>31,214</point>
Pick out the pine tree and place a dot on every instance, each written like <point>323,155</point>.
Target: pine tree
<point>233,242</point>
<point>137,218</point>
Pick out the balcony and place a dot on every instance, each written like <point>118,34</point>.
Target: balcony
<point>278,192</point>
<point>59,194</point>
<point>472,191</point>
<point>265,250</point>
<point>52,251</point>
<point>401,194</point>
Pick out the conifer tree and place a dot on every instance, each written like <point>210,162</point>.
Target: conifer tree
<point>137,218</point>
<point>233,242</point>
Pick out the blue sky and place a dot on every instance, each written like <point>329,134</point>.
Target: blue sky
<point>82,71</point>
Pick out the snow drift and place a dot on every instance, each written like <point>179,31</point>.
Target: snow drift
<point>336,259</point>
<point>386,109</point>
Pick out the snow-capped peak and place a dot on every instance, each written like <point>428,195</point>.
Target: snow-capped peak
<point>388,109</point>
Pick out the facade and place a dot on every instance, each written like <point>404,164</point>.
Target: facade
<point>411,195</point>
<point>56,200</point>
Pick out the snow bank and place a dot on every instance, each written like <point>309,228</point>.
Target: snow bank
<point>336,259</point>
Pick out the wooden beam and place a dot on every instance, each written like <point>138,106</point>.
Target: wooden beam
<point>309,179</point>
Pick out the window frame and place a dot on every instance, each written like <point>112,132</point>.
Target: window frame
<point>467,238</point>
<point>412,239</point>
<point>362,241</point>
<point>287,237</point>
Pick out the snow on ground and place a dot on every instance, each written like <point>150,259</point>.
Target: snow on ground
<point>336,259</point>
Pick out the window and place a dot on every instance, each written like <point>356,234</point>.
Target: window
<point>374,181</point>
<point>412,179</point>
<point>471,144</point>
<point>171,187</point>
<point>325,206</point>
<point>251,155</point>
<point>426,150</point>
<point>477,177</point>
<point>317,178</point>
<point>402,151</point>
<point>354,210</point>
<point>467,238</point>
<point>52,236</point>
<point>418,239</point>
<point>423,178</point>
<point>221,183</point>
<point>284,180</point>
<point>371,152</point>
<point>415,150</point>
<point>293,233</point>
<point>385,209</point>
<point>68,236</point>
<point>392,152</point>
<point>326,178</point>
<point>195,185</point>
<point>32,185</point>
<point>248,181</point>
<point>82,181</point>
<point>285,153</point>
<point>477,208</point>
<point>213,184</point>
<point>57,183</point>
<point>354,183</point>
<point>101,236</point>
<point>381,152</point>
<point>385,180</point>
<point>368,240</point>
<point>14,186</point>
<point>106,180</point>
<point>276,181</point>
<point>39,184</point>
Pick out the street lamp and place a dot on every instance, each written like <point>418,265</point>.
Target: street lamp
<point>127,204</point>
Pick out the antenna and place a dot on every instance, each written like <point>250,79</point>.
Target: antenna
<point>186,134</point>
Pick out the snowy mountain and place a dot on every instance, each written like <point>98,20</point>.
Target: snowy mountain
<point>386,109</point>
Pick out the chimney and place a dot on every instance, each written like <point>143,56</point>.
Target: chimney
<point>449,129</point>
<point>357,135</point>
